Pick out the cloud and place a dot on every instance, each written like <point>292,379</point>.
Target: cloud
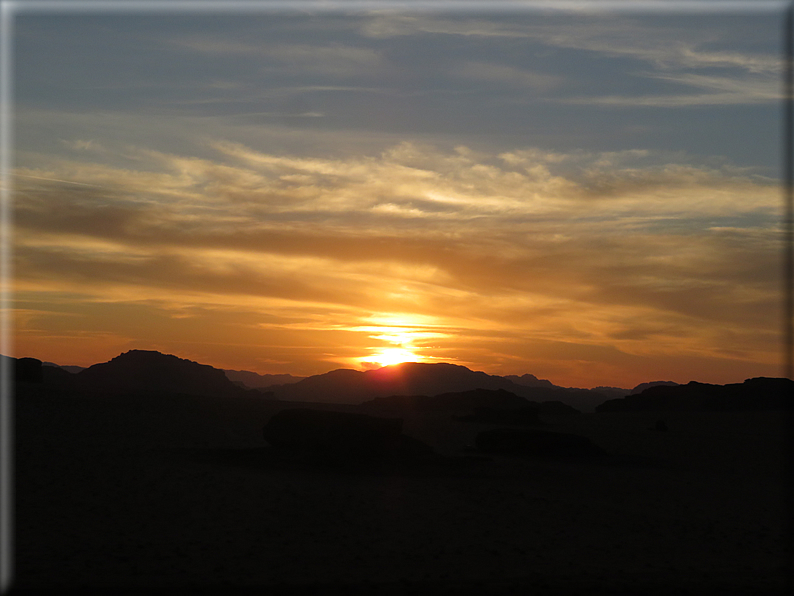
<point>384,26</point>
<point>331,59</point>
<point>682,54</point>
<point>506,75</point>
<point>720,91</point>
<point>83,144</point>
<point>257,223</point>
<point>623,253</point>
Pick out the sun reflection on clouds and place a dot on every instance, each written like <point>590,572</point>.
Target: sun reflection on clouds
<point>390,356</point>
<point>365,261</point>
<point>403,338</point>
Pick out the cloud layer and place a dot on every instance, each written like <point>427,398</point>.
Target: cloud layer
<point>588,197</point>
<point>483,257</point>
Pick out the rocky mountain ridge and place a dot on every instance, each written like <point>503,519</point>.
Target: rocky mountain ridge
<point>148,371</point>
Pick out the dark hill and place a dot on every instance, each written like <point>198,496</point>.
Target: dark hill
<point>528,380</point>
<point>31,375</point>
<point>643,386</point>
<point>146,371</point>
<point>257,381</point>
<point>761,393</point>
<point>409,378</point>
<point>27,370</point>
<point>612,392</point>
<point>69,369</point>
<point>345,386</point>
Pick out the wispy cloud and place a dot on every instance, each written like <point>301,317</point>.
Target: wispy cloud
<point>558,247</point>
<point>330,59</point>
<point>83,145</point>
<point>497,73</point>
<point>719,91</point>
<point>299,188</point>
<point>676,54</point>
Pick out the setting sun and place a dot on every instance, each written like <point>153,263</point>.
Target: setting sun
<point>289,224</point>
<point>517,278</point>
<point>391,356</point>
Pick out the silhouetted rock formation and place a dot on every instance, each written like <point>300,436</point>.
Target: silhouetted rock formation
<point>346,386</point>
<point>754,394</point>
<point>528,380</point>
<point>340,437</point>
<point>643,386</point>
<point>540,443</point>
<point>611,392</point>
<point>32,377</point>
<point>145,371</point>
<point>410,378</point>
<point>256,381</point>
<point>27,370</point>
<point>586,399</point>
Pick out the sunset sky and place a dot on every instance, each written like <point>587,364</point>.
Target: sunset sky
<point>590,197</point>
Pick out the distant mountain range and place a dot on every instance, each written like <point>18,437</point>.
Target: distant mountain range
<point>147,371</point>
<point>417,378</point>
<point>254,380</point>
<point>244,378</point>
<point>761,393</point>
<point>136,372</point>
<point>67,368</point>
<point>151,372</point>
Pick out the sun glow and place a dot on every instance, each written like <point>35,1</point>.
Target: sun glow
<point>389,356</point>
<point>402,338</point>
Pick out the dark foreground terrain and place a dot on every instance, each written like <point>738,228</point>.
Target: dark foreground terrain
<point>180,493</point>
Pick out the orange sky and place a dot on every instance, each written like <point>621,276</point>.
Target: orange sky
<point>493,262</point>
<point>241,197</point>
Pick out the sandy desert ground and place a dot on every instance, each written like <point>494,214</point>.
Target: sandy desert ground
<point>178,494</point>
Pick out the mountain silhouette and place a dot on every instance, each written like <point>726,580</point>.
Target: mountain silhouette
<point>256,381</point>
<point>32,372</point>
<point>148,371</point>
<point>643,386</point>
<point>345,386</point>
<point>760,393</point>
<point>25,370</point>
<point>69,369</point>
<point>409,378</point>
<point>530,381</point>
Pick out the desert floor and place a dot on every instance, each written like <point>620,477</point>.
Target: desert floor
<point>134,495</point>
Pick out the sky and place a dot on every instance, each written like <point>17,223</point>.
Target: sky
<point>592,197</point>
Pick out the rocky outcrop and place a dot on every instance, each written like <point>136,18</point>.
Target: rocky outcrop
<point>28,370</point>
<point>528,380</point>
<point>146,371</point>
